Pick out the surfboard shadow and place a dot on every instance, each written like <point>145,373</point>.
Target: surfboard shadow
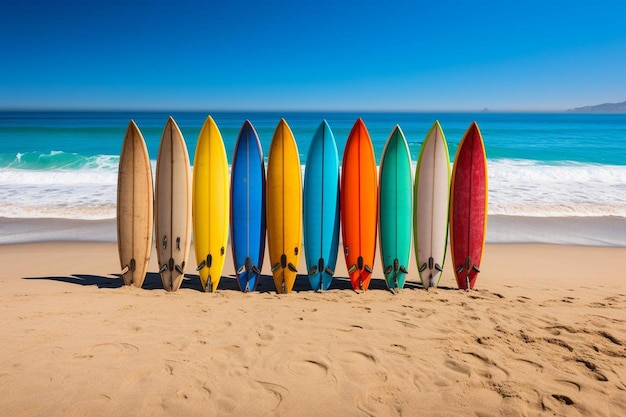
<point>114,281</point>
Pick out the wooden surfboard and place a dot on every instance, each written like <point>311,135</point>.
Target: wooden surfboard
<point>468,207</point>
<point>210,205</point>
<point>321,208</point>
<point>395,204</point>
<point>430,220</point>
<point>359,206</point>
<point>134,207</point>
<point>247,209</point>
<point>172,206</point>
<point>284,207</point>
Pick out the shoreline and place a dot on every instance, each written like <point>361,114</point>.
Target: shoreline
<point>607,231</point>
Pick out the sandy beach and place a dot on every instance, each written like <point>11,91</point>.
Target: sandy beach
<point>544,334</point>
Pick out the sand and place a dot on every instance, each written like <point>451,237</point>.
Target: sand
<point>544,334</point>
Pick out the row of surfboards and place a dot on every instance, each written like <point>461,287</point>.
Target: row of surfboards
<point>252,202</point>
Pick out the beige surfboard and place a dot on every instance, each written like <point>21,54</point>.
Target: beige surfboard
<point>134,207</point>
<point>172,206</point>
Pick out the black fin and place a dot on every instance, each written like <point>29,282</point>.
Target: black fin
<point>388,270</point>
<point>209,260</point>
<point>368,269</point>
<point>133,265</point>
<point>292,267</point>
<point>431,261</point>
<point>475,268</point>
<point>275,267</point>
<point>163,268</point>
<point>256,270</point>
<point>241,269</point>
<point>171,264</point>
<point>403,270</point>
<point>423,267</point>
<point>359,262</point>
<point>313,270</point>
<point>438,268</point>
<point>330,271</point>
<point>320,264</point>
<point>202,265</point>
<point>179,269</point>
<point>283,260</point>
<point>396,264</point>
<point>178,243</point>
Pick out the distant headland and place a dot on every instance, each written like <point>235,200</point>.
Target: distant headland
<point>601,108</point>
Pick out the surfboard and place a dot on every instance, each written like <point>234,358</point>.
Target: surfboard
<point>395,202</point>
<point>247,208</point>
<point>359,206</point>
<point>468,207</point>
<point>321,208</point>
<point>284,207</point>
<point>210,205</point>
<point>134,207</point>
<point>430,219</point>
<point>172,206</point>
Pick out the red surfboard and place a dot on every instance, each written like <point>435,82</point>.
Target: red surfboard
<point>468,207</point>
<point>359,205</point>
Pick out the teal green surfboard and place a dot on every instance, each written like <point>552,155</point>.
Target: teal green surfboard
<point>396,209</point>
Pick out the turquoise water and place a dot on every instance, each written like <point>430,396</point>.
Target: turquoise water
<point>64,164</point>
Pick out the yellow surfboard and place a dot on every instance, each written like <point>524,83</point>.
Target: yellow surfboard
<point>210,205</point>
<point>284,207</point>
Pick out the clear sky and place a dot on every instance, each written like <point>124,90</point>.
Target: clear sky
<point>312,55</point>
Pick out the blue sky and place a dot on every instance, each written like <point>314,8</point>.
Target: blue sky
<point>312,55</point>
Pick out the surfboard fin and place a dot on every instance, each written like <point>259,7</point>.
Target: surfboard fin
<point>388,270</point>
<point>475,268</point>
<point>292,267</point>
<point>438,268</point>
<point>241,269</point>
<point>202,265</point>
<point>423,267</point>
<point>313,270</point>
<point>209,285</point>
<point>275,267</point>
<point>256,270</point>
<point>178,269</point>
<point>352,269</point>
<point>330,271</point>
<point>403,269</point>
<point>125,270</point>
<point>367,268</point>
<point>163,268</point>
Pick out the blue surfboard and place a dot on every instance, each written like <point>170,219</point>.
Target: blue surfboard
<point>321,208</point>
<point>247,208</point>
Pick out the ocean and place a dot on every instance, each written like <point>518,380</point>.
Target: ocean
<point>553,177</point>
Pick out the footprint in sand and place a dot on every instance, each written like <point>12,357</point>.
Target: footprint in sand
<point>116,350</point>
<point>278,392</point>
<point>310,368</point>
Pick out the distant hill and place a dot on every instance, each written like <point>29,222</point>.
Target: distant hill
<point>602,108</point>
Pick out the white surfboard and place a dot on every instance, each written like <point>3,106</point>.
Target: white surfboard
<point>430,218</point>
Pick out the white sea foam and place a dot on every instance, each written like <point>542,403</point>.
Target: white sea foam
<point>516,188</point>
<point>527,188</point>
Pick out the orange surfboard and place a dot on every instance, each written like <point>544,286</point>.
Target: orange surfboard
<point>359,205</point>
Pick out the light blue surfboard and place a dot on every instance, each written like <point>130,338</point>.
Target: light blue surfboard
<point>247,208</point>
<point>321,208</point>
